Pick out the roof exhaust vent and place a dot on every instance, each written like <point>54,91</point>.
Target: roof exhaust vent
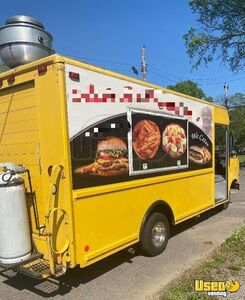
<point>24,39</point>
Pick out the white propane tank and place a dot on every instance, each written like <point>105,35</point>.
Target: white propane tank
<point>15,240</point>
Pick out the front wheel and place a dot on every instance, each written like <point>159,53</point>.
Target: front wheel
<point>155,235</point>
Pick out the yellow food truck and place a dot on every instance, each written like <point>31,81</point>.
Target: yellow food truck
<point>93,162</point>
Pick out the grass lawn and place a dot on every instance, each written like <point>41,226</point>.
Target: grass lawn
<point>241,158</point>
<point>226,263</point>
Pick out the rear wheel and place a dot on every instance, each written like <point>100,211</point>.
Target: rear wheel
<point>155,235</point>
<point>225,205</point>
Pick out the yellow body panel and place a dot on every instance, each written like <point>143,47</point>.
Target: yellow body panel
<point>120,211</point>
<point>83,226</point>
<point>234,170</point>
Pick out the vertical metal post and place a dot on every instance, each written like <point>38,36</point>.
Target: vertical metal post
<point>143,64</point>
<point>226,87</point>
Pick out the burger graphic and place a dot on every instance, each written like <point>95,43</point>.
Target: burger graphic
<point>111,159</point>
<point>199,155</point>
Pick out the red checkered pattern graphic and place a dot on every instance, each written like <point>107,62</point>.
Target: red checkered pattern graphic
<point>92,96</point>
<point>178,109</point>
<point>128,97</point>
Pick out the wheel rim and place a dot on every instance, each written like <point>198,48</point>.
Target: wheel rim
<point>158,234</point>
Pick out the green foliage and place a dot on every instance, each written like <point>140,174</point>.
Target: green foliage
<point>221,34</point>
<point>190,88</point>
<point>236,105</point>
<point>3,68</point>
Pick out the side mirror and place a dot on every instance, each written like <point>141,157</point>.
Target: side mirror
<point>233,153</point>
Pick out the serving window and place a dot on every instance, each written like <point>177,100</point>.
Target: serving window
<point>157,142</point>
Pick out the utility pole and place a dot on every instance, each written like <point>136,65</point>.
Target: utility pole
<point>143,64</point>
<point>226,87</point>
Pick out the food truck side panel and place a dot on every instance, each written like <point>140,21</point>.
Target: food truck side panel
<point>130,146</point>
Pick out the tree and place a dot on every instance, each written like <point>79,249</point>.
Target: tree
<point>221,35</point>
<point>190,88</point>
<point>236,106</point>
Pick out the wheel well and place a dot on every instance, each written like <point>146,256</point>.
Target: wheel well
<point>161,207</point>
<point>234,184</point>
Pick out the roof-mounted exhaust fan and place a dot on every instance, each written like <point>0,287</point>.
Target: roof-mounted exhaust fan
<point>24,39</point>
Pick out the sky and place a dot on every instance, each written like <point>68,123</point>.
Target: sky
<point>110,34</point>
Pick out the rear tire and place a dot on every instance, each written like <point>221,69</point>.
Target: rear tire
<point>225,205</point>
<point>155,235</point>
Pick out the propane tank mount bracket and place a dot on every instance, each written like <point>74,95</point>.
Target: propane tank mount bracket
<point>11,170</point>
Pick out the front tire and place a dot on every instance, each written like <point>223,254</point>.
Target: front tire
<point>155,235</point>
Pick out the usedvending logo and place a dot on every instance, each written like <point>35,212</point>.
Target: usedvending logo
<point>216,288</point>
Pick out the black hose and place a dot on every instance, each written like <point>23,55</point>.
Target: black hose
<point>34,202</point>
<point>9,172</point>
<point>38,227</point>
